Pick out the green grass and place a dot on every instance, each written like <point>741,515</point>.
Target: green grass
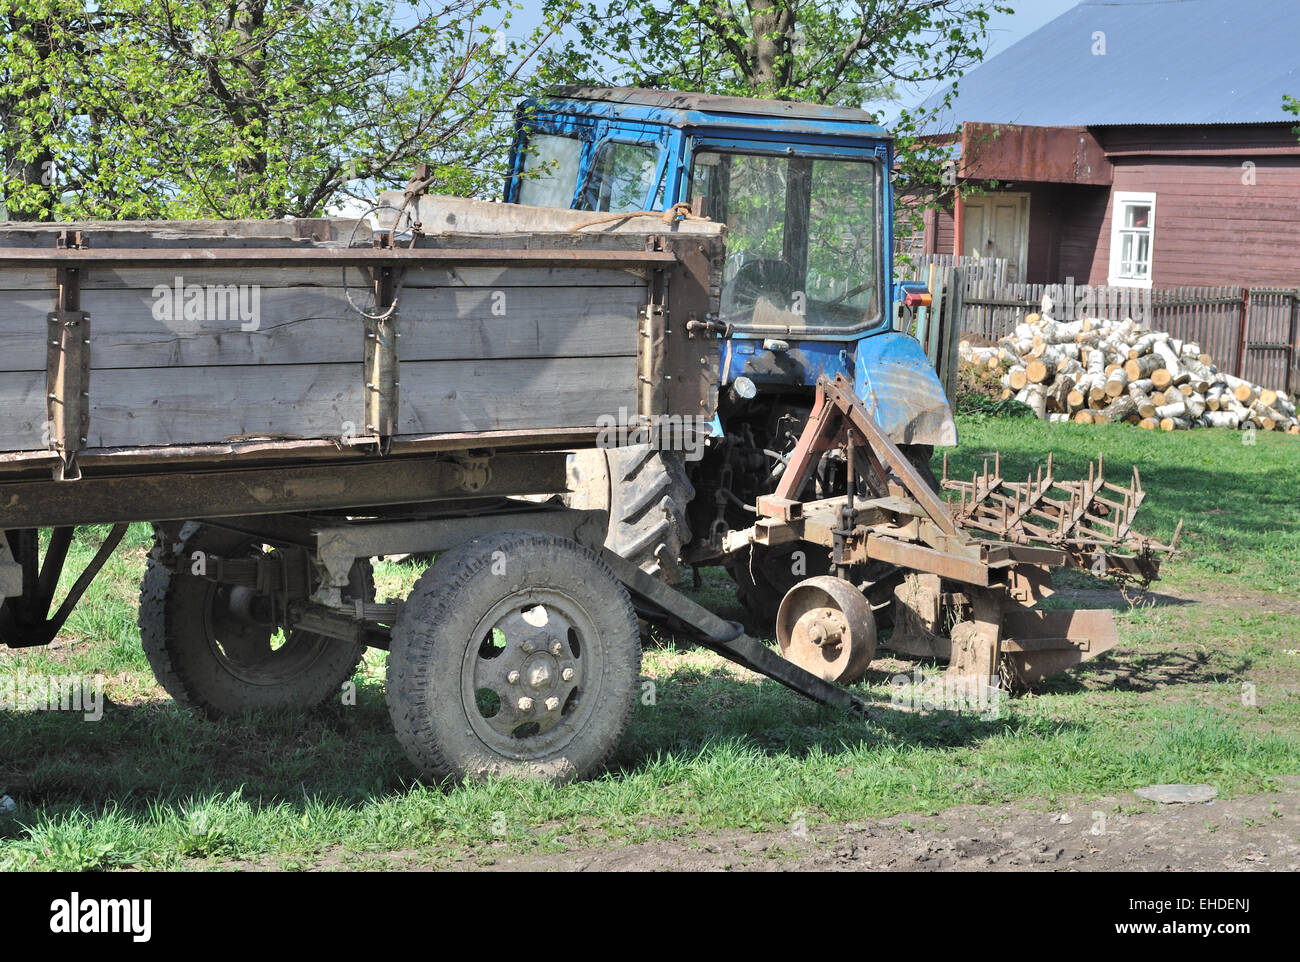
<point>153,786</point>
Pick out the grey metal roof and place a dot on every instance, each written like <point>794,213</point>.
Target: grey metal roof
<point>676,100</point>
<point>1165,62</point>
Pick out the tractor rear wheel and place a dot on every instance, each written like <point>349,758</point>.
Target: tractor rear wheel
<point>646,492</point>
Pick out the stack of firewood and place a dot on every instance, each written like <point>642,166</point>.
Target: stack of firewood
<point>1098,371</point>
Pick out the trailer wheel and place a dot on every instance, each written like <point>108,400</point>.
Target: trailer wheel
<point>515,654</point>
<point>217,649</point>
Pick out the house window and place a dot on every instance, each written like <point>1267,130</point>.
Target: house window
<point>1132,235</point>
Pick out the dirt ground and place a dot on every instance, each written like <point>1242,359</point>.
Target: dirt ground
<point>1257,833</point>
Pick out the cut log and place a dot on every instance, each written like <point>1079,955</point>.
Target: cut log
<point>1042,369</point>
<point>1148,424</point>
<point>1017,378</point>
<point>1143,403</point>
<point>1036,398</point>
<point>1265,415</point>
<point>1060,332</point>
<point>1058,396</point>
<point>1174,424</point>
<point>1096,364</point>
<point>1142,366</point>
<point>1144,343</point>
<point>1175,409</point>
<point>1117,384</point>
<point>1223,419</point>
<point>1172,364</point>
<point>1120,409</point>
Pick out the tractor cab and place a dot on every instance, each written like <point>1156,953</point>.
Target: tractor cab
<point>803,190</point>
<point>805,194</point>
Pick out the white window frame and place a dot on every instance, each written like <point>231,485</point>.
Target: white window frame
<point>1121,199</point>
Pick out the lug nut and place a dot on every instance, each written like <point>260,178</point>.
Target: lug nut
<point>513,678</point>
<point>555,648</point>
<point>567,674</point>
<point>552,704</point>
<point>525,704</point>
<point>529,647</point>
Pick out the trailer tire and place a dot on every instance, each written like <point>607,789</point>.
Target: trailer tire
<point>646,492</point>
<point>477,683</point>
<point>181,615</point>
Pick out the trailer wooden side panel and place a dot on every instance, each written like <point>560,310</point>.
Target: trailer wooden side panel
<point>210,351</point>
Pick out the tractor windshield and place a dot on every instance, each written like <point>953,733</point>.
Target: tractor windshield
<point>802,238</point>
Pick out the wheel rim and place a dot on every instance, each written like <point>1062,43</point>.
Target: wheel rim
<point>247,641</point>
<point>826,627</point>
<point>530,671</point>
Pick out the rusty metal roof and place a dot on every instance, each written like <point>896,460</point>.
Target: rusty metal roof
<point>1109,62</point>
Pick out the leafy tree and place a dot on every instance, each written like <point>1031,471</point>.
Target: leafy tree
<point>253,108</point>
<point>821,51</point>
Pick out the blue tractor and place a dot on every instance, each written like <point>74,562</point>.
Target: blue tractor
<point>805,193</point>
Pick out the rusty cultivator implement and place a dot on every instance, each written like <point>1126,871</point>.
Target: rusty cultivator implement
<point>959,578</point>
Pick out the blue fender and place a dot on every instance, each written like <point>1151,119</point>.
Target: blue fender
<point>896,382</point>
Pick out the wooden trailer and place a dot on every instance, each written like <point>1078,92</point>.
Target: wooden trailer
<point>285,400</point>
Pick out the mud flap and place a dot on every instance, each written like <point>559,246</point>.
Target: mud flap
<point>898,386</point>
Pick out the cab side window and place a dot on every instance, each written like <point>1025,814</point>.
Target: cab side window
<point>550,171</point>
<point>620,177</point>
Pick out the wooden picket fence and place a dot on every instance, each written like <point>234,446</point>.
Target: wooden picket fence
<point>1249,332</point>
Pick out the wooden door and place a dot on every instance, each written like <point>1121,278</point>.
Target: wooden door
<point>997,225</point>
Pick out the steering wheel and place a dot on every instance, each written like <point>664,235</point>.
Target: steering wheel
<point>763,276</point>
